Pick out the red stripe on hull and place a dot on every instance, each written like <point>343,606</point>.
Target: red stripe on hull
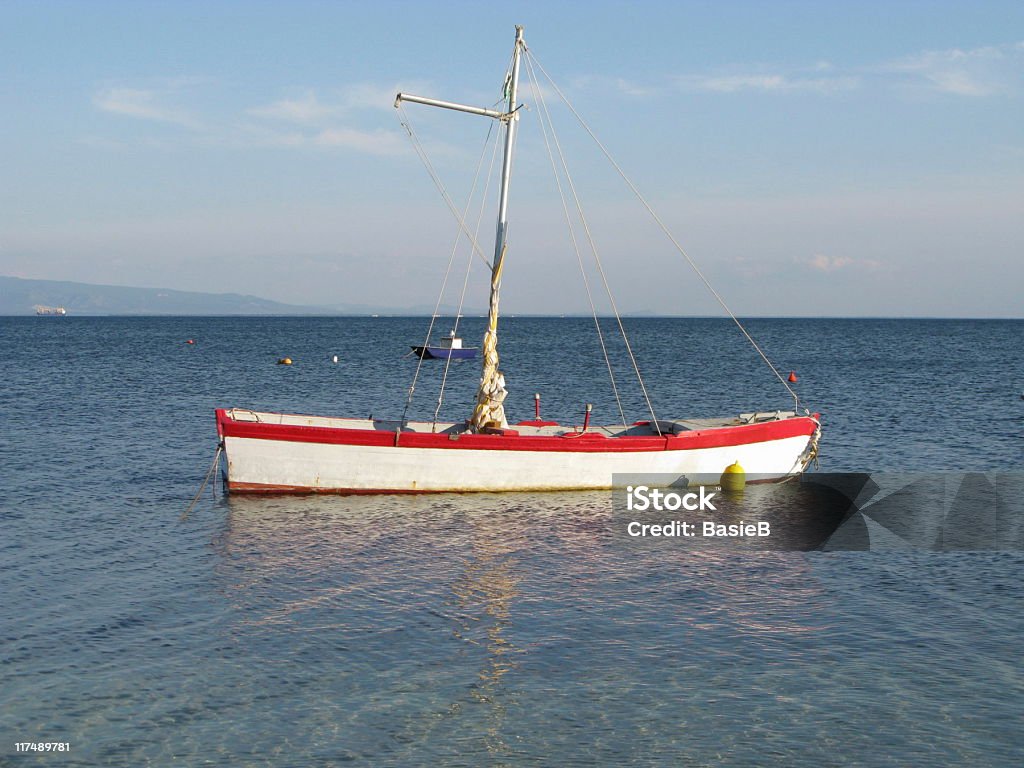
<point>721,437</point>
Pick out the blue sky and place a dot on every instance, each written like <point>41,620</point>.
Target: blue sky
<point>813,158</point>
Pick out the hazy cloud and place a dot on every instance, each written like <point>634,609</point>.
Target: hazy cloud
<point>976,72</point>
<point>303,120</point>
<point>773,82</point>
<point>304,109</point>
<point>973,72</point>
<point>310,108</point>
<point>376,96</point>
<point>377,142</point>
<point>824,263</point>
<point>371,142</point>
<point>142,104</point>
<point>630,88</point>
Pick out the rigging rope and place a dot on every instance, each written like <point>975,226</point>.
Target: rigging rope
<point>661,224</point>
<point>545,115</point>
<point>597,258</point>
<point>422,154</point>
<point>469,267</point>
<point>458,236</point>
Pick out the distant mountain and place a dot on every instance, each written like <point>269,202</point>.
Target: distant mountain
<point>20,297</point>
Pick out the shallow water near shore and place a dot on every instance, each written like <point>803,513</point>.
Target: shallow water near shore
<point>495,629</point>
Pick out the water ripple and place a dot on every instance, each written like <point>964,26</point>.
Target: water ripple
<point>488,629</point>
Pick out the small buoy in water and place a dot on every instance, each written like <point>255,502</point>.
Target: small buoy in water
<point>792,377</point>
<point>190,341</point>
<point>285,361</point>
<point>334,359</point>
<point>733,478</point>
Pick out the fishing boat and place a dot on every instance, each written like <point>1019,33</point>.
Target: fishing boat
<point>449,348</point>
<point>288,453</point>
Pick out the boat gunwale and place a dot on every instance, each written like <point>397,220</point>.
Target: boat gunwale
<point>511,440</point>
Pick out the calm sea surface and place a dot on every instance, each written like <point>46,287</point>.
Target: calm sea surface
<point>499,630</point>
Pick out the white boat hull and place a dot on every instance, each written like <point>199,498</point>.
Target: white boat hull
<point>297,462</point>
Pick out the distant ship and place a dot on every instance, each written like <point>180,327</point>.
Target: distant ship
<point>60,311</point>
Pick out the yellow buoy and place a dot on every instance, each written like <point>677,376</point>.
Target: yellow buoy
<point>285,361</point>
<point>733,478</point>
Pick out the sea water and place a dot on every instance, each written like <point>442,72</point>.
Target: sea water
<point>516,629</point>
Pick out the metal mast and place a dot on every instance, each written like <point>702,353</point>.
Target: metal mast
<point>510,119</point>
<point>489,411</point>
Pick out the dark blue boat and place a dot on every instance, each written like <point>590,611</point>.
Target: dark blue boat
<point>448,349</point>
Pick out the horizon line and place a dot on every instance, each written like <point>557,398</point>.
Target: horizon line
<point>512,315</point>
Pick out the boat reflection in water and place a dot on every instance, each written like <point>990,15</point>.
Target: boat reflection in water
<point>456,618</point>
<point>482,603</point>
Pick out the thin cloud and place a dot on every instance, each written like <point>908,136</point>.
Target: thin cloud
<point>305,109</point>
<point>303,121</point>
<point>380,142</point>
<point>824,263</point>
<point>630,88</point>
<point>309,108</point>
<point>376,96</point>
<point>768,83</point>
<point>976,72</point>
<point>377,142</point>
<point>142,104</point>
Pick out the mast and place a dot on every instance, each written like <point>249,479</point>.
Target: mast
<point>489,411</point>
<point>510,119</point>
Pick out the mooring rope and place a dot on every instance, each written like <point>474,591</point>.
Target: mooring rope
<point>209,474</point>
